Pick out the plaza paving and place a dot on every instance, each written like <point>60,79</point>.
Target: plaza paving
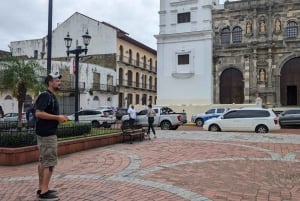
<point>177,166</point>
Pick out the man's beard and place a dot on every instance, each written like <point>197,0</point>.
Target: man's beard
<point>56,88</point>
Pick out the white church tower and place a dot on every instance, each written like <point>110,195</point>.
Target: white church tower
<point>184,52</point>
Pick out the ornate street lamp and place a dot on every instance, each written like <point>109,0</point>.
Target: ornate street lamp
<point>68,41</point>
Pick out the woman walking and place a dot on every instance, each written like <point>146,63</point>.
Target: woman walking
<point>150,114</point>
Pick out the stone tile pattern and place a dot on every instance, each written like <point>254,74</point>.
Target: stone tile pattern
<point>179,165</point>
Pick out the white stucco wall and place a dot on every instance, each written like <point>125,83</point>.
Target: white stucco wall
<point>86,71</point>
<point>185,84</point>
<point>27,47</point>
<point>85,75</point>
<point>103,41</point>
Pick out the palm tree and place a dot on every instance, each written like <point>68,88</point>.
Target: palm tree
<point>19,76</point>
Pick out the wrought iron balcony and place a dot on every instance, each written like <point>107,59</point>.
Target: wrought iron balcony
<point>70,86</point>
<point>136,85</point>
<point>105,88</point>
<point>136,63</point>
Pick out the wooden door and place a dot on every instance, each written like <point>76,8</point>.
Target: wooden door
<point>289,83</point>
<point>231,87</point>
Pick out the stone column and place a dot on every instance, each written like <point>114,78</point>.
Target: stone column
<point>277,86</point>
<point>246,79</point>
<point>254,76</point>
<point>269,72</point>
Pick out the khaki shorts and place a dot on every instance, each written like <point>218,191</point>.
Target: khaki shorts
<point>48,150</point>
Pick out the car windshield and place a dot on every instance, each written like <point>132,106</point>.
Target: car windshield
<point>108,112</point>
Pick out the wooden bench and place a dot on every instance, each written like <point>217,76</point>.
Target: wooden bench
<point>132,133</point>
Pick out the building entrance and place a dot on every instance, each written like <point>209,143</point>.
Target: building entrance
<point>231,87</point>
<point>289,83</point>
<point>291,95</point>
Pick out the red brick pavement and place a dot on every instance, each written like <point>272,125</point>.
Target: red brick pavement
<point>168,169</point>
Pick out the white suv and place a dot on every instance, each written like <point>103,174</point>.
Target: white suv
<point>259,120</point>
<point>97,118</point>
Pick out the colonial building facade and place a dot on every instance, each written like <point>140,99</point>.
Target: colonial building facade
<point>184,47</point>
<point>117,70</point>
<point>137,67</point>
<point>256,52</point>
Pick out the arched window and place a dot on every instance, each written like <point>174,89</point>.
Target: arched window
<point>129,78</point>
<point>121,53</point>
<point>8,97</point>
<point>145,61</point>
<point>150,83</point>
<point>237,35</point>
<point>137,59</point>
<point>137,80</point>
<point>225,36</point>
<point>150,61</point>
<point>120,76</point>
<point>130,56</point>
<point>292,29</point>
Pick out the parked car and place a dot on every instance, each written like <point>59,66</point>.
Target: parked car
<point>98,118</point>
<point>290,117</point>
<point>10,120</point>
<point>120,112</point>
<point>107,108</point>
<point>13,116</point>
<point>165,118</point>
<point>255,119</point>
<point>199,119</point>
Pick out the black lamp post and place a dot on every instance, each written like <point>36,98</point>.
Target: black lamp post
<point>68,41</point>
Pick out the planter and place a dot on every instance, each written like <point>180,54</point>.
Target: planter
<point>23,155</point>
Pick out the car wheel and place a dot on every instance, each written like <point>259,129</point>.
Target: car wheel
<point>214,128</point>
<point>165,125</point>
<point>95,124</point>
<point>261,129</point>
<point>199,122</point>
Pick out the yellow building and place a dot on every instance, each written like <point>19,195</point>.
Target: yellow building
<point>136,69</point>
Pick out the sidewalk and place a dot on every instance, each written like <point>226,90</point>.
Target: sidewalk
<point>177,166</point>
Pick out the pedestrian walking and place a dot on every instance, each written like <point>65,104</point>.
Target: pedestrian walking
<point>48,118</point>
<point>1,112</point>
<point>132,116</point>
<point>150,114</point>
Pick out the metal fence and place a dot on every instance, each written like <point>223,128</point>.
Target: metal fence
<point>12,136</point>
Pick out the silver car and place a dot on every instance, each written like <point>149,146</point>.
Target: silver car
<point>97,118</point>
<point>290,117</point>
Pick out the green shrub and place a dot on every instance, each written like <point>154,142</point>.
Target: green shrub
<point>27,137</point>
<point>17,139</point>
<point>72,130</point>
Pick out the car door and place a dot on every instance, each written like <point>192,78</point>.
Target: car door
<point>231,121</point>
<point>83,116</point>
<point>219,111</point>
<point>296,120</point>
<point>211,113</point>
<point>292,117</point>
<point>156,117</point>
<point>142,118</point>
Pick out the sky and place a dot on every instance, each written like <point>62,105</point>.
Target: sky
<point>28,19</point>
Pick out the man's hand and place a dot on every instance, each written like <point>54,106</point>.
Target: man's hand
<point>62,118</point>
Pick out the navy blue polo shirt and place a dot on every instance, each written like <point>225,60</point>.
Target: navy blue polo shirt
<point>47,102</point>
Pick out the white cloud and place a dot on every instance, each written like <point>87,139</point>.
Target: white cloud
<point>29,19</point>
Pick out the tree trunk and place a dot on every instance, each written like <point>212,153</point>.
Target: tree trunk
<point>20,108</point>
